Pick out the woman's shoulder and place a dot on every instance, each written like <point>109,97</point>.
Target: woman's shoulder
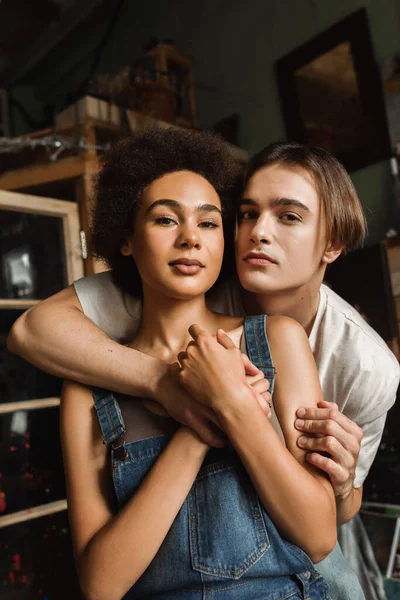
<point>286,325</point>
<point>278,329</point>
<point>233,326</point>
<point>283,332</point>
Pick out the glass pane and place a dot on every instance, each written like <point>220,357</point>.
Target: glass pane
<point>36,560</point>
<point>32,255</point>
<point>18,379</point>
<point>31,471</point>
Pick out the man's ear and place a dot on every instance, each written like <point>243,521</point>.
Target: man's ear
<point>332,252</point>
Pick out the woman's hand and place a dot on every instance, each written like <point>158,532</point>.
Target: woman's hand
<point>256,379</point>
<point>213,371</point>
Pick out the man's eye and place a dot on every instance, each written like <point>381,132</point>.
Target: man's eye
<point>290,217</point>
<point>247,215</point>
<point>164,220</point>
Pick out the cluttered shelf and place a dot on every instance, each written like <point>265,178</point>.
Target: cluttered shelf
<point>61,161</point>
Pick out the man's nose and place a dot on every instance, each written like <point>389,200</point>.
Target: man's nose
<point>261,232</point>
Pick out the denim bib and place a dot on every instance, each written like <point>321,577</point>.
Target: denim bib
<point>222,544</point>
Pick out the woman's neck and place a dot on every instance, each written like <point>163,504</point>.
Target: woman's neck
<point>165,322</point>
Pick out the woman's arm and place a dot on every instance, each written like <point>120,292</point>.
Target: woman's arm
<point>297,496</point>
<point>112,551</point>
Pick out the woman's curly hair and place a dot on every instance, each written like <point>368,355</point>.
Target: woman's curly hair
<point>134,163</point>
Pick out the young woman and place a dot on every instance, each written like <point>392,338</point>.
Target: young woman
<point>154,512</point>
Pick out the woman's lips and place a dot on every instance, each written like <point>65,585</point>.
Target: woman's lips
<point>187,269</point>
<point>186,265</point>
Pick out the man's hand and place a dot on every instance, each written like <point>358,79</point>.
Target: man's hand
<point>329,431</point>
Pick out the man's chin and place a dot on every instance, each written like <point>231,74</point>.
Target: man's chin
<point>256,285</point>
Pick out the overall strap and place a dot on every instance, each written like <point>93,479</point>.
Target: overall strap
<point>110,419</point>
<point>258,348</point>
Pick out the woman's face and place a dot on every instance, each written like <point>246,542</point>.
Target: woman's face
<point>178,241</point>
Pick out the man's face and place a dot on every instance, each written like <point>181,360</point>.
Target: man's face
<point>280,236</point>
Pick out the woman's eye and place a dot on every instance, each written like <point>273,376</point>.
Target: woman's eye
<point>247,215</point>
<point>164,221</point>
<point>209,224</point>
<point>290,217</point>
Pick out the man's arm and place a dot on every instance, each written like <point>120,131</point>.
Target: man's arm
<point>58,338</point>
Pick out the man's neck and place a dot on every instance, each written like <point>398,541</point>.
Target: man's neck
<point>300,304</point>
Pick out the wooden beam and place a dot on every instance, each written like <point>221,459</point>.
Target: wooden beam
<point>33,513</point>
<point>83,192</point>
<point>17,304</point>
<point>40,205</point>
<point>65,168</point>
<point>9,407</point>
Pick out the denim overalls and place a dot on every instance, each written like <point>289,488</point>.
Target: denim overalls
<point>222,544</point>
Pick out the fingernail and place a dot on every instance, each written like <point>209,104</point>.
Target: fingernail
<point>299,423</point>
<point>301,412</point>
<point>302,440</point>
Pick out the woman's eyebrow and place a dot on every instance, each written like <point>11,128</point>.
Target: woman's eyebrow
<point>207,208</point>
<point>164,202</point>
<point>178,206</point>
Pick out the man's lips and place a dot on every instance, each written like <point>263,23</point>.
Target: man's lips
<point>187,266</point>
<point>259,258</point>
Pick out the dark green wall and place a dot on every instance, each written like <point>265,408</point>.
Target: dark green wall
<point>234,46</point>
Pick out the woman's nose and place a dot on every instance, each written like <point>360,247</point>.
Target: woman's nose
<point>189,238</point>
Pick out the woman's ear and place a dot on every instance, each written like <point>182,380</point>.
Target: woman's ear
<point>332,252</point>
<point>126,249</point>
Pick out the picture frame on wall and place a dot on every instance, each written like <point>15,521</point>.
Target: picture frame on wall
<point>390,75</point>
<point>331,94</point>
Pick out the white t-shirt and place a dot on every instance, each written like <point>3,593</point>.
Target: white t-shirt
<point>356,368</point>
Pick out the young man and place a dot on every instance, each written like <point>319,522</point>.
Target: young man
<point>299,211</point>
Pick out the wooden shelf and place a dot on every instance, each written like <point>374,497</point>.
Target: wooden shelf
<point>26,177</point>
<point>32,171</point>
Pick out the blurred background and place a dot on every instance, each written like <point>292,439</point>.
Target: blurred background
<point>75,77</point>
